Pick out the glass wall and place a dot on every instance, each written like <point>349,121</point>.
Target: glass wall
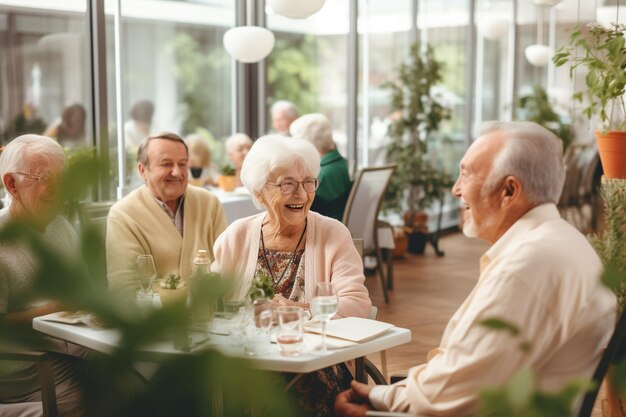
<point>309,65</point>
<point>384,43</point>
<point>45,72</point>
<point>176,75</point>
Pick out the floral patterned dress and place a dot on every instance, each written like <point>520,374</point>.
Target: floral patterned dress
<point>315,392</point>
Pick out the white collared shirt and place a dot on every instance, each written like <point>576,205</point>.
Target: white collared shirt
<point>177,217</point>
<point>541,276</point>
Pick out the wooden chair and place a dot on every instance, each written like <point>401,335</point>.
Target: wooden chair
<point>370,369</point>
<point>361,214</point>
<point>47,407</point>
<point>615,353</point>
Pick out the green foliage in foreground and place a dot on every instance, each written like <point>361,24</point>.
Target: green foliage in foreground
<point>194,384</point>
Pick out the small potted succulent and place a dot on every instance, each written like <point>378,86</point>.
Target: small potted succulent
<point>172,291</point>
<point>228,180</point>
<point>604,57</point>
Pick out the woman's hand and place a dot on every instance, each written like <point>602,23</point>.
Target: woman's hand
<point>280,301</point>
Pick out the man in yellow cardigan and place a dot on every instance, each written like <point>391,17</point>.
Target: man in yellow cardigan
<point>164,218</point>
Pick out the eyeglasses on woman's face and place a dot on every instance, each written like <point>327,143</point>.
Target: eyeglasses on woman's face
<point>290,186</point>
<point>45,179</point>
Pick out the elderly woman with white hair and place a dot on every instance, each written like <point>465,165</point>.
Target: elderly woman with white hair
<point>335,184</point>
<point>237,147</point>
<point>296,247</point>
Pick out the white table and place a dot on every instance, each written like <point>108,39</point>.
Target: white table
<point>237,204</point>
<point>107,340</point>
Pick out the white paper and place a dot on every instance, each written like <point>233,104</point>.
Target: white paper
<point>355,329</point>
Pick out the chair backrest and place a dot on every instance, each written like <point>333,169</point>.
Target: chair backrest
<point>47,407</point>
<point>358,244</point>
<point>366,196</point>
<point>615,352</point>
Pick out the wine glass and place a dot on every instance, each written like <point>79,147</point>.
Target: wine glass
<point>324,307</point>
<point>147,274</point>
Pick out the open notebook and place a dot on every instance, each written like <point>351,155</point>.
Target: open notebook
<point>354,329</point>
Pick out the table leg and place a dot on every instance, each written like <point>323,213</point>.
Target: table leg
<point>359,366</point>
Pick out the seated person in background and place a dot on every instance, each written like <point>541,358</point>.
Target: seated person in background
<point>283,114</point>
<point>237,147</point>
<point>332,194</point>
<point>164,218</point>
<point>70,130</point>
<point>30,167</point>
<point>540,275</point>
<point>138,127</point>
<point>202,170</point>
<point>296,247</point>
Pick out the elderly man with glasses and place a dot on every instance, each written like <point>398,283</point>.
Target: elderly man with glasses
<point>295,247</point>
<point>30,167</point>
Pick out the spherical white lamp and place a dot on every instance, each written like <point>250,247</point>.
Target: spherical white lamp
<point>296,9</point>
<point>538,55</point>
<point>248,44</point>
<point>493,27</point>
<point>546,3</point>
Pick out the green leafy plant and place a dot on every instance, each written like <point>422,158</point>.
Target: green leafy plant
<point>520,396</point>
<point>190,385</point>
<point>536,108</point>
<point>172,282</point>
<point>611,245</point>
<point>228,170</point>
<point>604,57</point>
<point>416,114</point>
<point>263,283</point>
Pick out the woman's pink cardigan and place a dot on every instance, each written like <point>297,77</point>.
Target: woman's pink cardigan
<point>330,255</point>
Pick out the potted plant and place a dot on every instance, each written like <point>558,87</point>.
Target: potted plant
<point>536,107</point>
<point>227,181</point>
<point>172,291</point>
<point>604,57</point>
<point>416,114</point>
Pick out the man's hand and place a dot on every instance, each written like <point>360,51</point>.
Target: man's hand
<point>353,402</point>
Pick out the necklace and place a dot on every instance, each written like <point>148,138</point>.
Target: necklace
<point>291,258</point>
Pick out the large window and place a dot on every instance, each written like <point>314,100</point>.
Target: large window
<point>45,73</point>
<point>309,66</point>
<point>174,69</point>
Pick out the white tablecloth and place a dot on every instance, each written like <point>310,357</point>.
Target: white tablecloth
<point>237,204</point>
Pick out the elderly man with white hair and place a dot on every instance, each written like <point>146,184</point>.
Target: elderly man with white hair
<point>283,114</point>
<point>296,248</point>
<point>540,275</point>
<point>30,167</point>
<point>332,194</point>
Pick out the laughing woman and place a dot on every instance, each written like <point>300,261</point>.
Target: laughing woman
<point>297,248</point>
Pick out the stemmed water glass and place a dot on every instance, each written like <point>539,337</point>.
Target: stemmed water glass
<point>147,274</point>
<point>324,307</point>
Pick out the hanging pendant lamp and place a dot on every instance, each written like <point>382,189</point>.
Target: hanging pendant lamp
<point>538,55</point>
<point>248,44</point>
<point>546,3</point>
<point>493,27</point>
<point>296,9</point>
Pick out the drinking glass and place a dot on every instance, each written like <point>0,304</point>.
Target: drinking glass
<point>290,330</point>
<point>324,307</point>
<point>147,274</point>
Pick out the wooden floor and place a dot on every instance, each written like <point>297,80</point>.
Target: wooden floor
<point>427,291</point>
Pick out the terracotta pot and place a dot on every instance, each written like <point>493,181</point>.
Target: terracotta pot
<point>170,297</point>
<point>227,182</point>
<point>612,149</point>
<point>400,243</point>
